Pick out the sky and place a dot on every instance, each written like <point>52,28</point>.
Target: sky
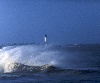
<point>64,21</point>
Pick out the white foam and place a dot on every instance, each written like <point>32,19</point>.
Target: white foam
<point>38,55</point>
<point>28,55</point>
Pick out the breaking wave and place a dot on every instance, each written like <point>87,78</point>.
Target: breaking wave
<point>30,55</point>
<point>32,58</point>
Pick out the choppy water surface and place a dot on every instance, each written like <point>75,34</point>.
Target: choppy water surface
<point>50,64</point>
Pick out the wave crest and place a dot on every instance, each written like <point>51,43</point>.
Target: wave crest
<point>21,68</point>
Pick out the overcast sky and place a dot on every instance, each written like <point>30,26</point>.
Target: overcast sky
<point>64,21</point>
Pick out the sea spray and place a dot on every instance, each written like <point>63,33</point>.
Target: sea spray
<point>56,63</point>
<point>29,55</point>
<point>37,55</point>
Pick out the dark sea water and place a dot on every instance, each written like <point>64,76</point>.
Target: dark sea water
<point>50,64</point>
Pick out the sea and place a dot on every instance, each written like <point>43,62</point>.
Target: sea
<point>78,63</point>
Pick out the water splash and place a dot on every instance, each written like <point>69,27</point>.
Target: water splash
<point>38,55</point>
<point>29,55</point>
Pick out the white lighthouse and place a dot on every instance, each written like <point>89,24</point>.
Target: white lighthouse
<point>45,39</point>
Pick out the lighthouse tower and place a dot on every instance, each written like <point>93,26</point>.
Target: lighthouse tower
<point>45,39</point>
